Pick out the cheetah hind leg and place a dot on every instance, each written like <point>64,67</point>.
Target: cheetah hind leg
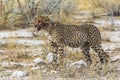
<point>85,49</point>
<point>104,57</point>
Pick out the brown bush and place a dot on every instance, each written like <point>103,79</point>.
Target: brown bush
<point>20,24</point>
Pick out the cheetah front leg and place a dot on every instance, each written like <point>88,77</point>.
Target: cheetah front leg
<point>60,56</point>
<point>55,50</point>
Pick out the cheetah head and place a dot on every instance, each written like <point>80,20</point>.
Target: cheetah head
<point>41,22</point>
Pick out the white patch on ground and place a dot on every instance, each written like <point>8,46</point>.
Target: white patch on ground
<point>44,71</point>
<point>53,72</point>
<point>19,74</point>
<point>110,47</point>
<point>83,16</point>
<point>23,41</point>
<point>14,64</point>
<point>114,58</point>
<point>111,36</point>
<point>35,68</point>
<point>18,33</point>
<point>8,72</point>
<point>49,57</point>
<point>30,42</point>
<point>80,64</point>
<point>115,39</point>
<point>3,41</point>
<point>115,36</point>
<point>107,22</point>
<point>38,61</point>
<point>36,51</point>
<point>102,22</point>
<point>4,64</point>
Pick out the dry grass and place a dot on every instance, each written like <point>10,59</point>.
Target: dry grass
<point>17,52</point>
<point>73,55</point>
<point>35,75</point>
<point>78,74</point>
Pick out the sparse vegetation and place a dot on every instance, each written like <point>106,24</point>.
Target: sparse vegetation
<point>16,55</point>
<point>22,13</point>
<point>20,57</point>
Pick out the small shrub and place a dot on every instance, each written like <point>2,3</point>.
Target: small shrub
<point>20,24</point>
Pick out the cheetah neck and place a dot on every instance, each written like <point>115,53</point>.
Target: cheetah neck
<point>49,28</point>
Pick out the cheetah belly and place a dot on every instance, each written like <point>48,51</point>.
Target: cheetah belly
<point>73,44</point>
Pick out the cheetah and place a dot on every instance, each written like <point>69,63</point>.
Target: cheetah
<point>85,36</point>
